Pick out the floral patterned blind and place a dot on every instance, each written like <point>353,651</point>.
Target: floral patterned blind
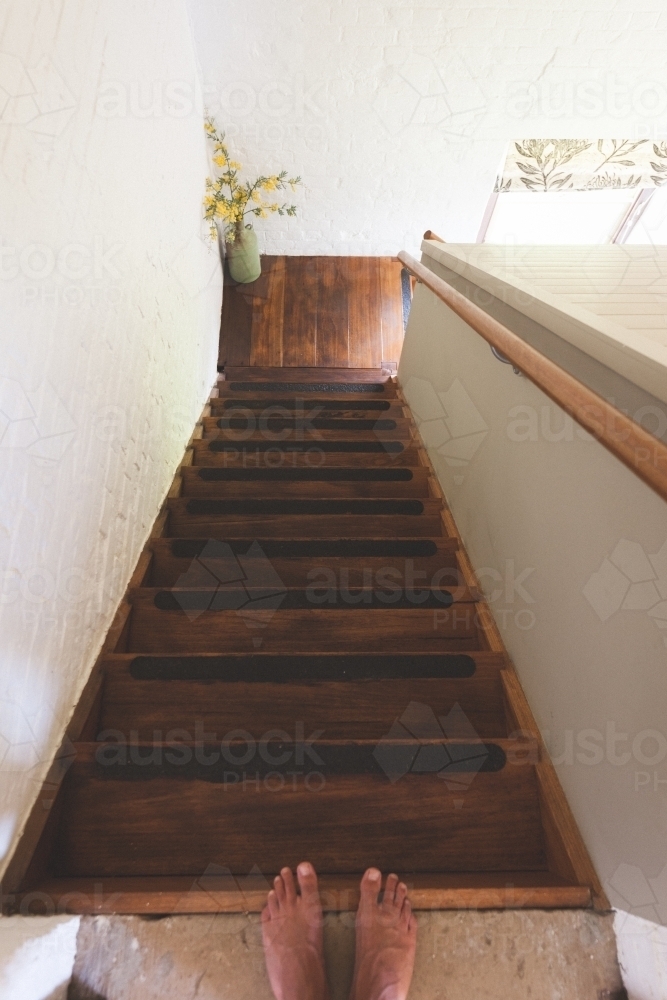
<point>583,165</point>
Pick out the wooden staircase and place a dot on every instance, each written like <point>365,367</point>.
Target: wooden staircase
<point>303,668</point>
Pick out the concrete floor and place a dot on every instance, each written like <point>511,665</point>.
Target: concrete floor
<point>461,955</point>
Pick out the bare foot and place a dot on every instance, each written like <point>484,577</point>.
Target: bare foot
<point>386,939</point>
<point>292,933</point>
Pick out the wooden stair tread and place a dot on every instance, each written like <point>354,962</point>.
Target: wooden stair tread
<point>358,507</point>
<point>354,562</point>
<point>288,435</point>
<point>215,893</point>
<point>332,405</point>
<point>267,590</point>
<point>130,818</point>
<point>143,699</point>
<point>262,454</point>
<point>257,373</point>
<point>261,666</point>
<point>305,482</point>
<point>376,630</point>
<point>300,526</point>
<point>264,421</point>
<point>352,517</point>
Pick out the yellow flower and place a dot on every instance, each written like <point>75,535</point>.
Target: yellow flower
<point>270,184</point>
<point>220,160</point>
<point>256,195</point>
<point>233,165</point>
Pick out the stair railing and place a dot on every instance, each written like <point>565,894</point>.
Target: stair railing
<point>636,447</point>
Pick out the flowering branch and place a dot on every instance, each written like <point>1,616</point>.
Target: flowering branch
<point>230,199</point>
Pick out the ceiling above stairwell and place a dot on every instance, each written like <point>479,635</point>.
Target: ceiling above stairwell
<point>398,114</point>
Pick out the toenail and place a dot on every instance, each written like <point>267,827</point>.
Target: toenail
<point>284,870</point>
<point>403,886</point>
<point>305,868</point>
<point>373,875</point>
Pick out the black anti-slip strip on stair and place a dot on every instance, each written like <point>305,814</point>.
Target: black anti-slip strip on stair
<point>277,669</point>
<point>351,387</point>
<point>250,507</point>
<point>315,548</point>
<point>293,403</point>
<point>330,474</point>
<point>391,447</point>
<point>315,599</point>
<point>278,423</point>
<point>244,762</point>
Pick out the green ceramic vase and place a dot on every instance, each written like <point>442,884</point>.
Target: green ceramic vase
<point>243,257</point>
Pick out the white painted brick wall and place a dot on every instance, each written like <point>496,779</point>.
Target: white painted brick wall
<point>110,306</point>
<point>407,163</point>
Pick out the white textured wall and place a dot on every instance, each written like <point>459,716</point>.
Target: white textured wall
<point>397,113</point>
<point>110,306</point>
<point>571,549</point>
<point>36,957</point>
<point>642,955</point>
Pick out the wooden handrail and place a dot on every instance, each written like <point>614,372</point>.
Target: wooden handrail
<point>430,235</point>
<point>643,453</point>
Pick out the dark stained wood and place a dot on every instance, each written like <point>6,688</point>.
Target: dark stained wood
<point>249,456</point>
<point>309,631</point>
<point>300,312</point>
<point>425,525</point>
<point>266,341</point>
<point>286,405</point>
<point>235,326</point>
<point>162,895</point>
<point>294,571</point>
<point>323,373</point>
<point>333,342</point>
<point>269,425</point>
<point>315,311</point>
<point>391,309</point>
<point>349,670</point>
<point>343,710</point>
<point>116,827</point>
<point>364,312</point>
<point>195,486</point>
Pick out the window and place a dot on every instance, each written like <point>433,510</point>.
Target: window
<point>577,191</point>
